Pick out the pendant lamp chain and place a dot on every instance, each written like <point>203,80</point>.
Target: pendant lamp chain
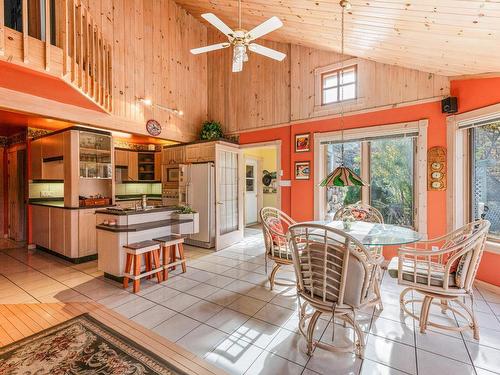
<point>343,5</point>
<point>239,14</point>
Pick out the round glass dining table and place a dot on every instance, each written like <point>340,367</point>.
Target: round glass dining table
<point>374,234</point>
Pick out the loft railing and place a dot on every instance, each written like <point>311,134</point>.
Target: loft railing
<point>61,38</point>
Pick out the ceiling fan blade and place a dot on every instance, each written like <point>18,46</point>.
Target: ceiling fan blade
<point>264,28</point>
<point>268,52</point>
<point>212,47</point>
<point>217,23</point>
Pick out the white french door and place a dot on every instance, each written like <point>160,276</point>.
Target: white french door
<point>228,197</point>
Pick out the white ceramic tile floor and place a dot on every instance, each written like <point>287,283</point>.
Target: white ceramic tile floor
<point>223,311</point>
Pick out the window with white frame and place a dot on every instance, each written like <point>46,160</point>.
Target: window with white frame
<point>392,158</point>
<point>388,164</point>
<point>484,162</point>
<point>339,85</point>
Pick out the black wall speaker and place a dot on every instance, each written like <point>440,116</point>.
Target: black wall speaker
<point>449,105</point>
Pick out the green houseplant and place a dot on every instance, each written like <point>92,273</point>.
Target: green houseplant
<point>211,130</point>
<point>187,213</point>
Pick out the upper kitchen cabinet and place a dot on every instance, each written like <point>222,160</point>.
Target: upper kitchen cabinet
<point>173,155</point>
<point>53,147</point>
<point>36,159</point>
<point>95,155</point>
<point>200,152</point>
<point>133,170</point>
<point>121,158</point>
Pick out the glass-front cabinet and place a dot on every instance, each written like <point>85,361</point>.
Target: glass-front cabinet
<point>95,155</point>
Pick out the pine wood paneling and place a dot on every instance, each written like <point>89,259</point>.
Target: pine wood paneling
<point>270,93</point>
<point>446,37</point>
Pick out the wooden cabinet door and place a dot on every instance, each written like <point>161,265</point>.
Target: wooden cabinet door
<point>57,230</point>
<point>121,158</point>
<point>41,226</point>
<point>52,146</point>
<point>133,167</point>
<point>192,153</point>
<point>36,160</point>
<point>158,166</point>
<point>173,155</point>
<point>87,236</point>
<point>207,152</point>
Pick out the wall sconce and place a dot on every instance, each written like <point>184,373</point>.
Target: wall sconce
<point>175,111</point>
<point>145,101</point>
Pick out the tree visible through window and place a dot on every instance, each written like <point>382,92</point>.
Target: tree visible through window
<point>390,166</point>
<point>485,173</point>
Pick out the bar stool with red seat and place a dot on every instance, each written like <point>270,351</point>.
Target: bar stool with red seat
<point>151,251</point>
<point>171,245</point>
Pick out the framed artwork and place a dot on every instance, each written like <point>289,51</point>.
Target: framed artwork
<point>172,174</point>
<point>302,142</point>
<point>302,170</point>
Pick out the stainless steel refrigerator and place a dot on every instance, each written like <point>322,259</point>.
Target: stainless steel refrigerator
<point>197,190</point>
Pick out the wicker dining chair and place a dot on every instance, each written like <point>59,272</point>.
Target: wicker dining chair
<point>335,275</point>
<point>275,224</point>
<point>362,212</point>
<point>443,269</point>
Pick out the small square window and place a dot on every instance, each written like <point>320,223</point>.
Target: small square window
<point>339,85</point>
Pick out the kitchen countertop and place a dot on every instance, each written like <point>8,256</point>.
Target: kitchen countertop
<point>138,212</point>
<point>141,226</point>
<point>60,204</point>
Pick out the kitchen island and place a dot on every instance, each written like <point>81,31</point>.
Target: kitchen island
<point>133,226</point>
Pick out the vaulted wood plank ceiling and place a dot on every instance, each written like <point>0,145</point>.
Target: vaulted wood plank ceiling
<point>448,37</point>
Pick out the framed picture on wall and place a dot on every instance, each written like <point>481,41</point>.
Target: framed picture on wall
<point>302,142</point>
<point>172,174</point>
<point>302,170</point>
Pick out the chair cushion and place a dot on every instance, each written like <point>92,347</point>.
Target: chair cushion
<point>359,214</point>
<point>462,268</point>
<point>422,275</point>
<point>275,225</point>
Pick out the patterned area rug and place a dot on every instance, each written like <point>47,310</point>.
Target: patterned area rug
<point>81,345</point>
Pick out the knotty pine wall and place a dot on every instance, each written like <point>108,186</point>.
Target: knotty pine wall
<point>151,59</point>
<point>271,93</point>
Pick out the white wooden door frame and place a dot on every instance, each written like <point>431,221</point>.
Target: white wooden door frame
<point>228,239</point>
<point>279,170</point>
<point>258,186</point>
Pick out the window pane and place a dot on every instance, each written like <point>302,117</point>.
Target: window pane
<point>337,197</point>
<point>391,179</point>
<point>486,175</point>
<point>330,81</point>
<point>330,95</point>
<point>348,92</point>
<point>349,76</point>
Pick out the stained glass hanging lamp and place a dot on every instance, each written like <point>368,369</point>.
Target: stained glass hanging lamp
<point>342,175</point>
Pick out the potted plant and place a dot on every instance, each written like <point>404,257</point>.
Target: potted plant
<point>187,213</point>
<point>211,130</point>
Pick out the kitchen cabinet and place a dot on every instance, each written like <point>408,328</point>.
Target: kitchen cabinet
<point>158,166</point>
<point>121,158</point>
<point>133,166</point>
<point>41,225</point>
<point>53,170</point>
<point>57,230</point>
<point>87,239</point>
<point>36,160</point>
<point>53,146</point>
<point>173,155</point>
<point>200,152</point>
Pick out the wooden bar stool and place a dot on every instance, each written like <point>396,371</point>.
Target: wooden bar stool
<point>151,252</point>
<point>172,245</point>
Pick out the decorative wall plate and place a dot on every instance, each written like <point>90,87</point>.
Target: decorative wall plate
<point>153,127</point>
<point>436,168</point>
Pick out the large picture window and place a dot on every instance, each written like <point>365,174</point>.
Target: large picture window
<point>388,164</point>
<point>485,175</point>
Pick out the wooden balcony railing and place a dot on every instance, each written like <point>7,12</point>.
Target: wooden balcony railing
<point>77,53</point>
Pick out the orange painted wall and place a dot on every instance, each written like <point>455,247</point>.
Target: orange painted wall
<point>484,92</point>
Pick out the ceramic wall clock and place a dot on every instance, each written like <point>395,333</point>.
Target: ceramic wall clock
<point>153,127</point>
<point>436,168</point>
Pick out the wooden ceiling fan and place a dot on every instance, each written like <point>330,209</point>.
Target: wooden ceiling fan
<point>241,40</point>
